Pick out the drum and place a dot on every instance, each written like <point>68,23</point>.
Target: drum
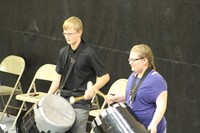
<point>51,114</point>
<point>1,130</point>
<point>117,118</point>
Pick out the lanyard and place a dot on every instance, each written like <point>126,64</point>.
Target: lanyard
<point>134,88</point>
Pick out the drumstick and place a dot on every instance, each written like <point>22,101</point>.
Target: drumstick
<point>73,99</point>
<point>100,93</point>
<point>90,84</point>
<point>103,95</point>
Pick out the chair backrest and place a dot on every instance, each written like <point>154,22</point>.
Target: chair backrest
<point>118,87</point>
<point>45,72</point>
<point>13,64</point>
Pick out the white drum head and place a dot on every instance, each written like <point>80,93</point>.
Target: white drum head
<point>54,113</point>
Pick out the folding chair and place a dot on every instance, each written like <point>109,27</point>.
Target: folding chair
<point>46,73</point>
<point>119,86</point>
<point>13,65</point>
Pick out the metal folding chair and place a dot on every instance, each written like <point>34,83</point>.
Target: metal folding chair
<point>13,65</point>
<point>45,72</point>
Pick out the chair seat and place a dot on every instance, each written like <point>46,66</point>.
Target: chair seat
<point>32,99</point>
<point>6,90</point>
<point>95,112</point>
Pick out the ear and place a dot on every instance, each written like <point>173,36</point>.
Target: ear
<point>80,32</point>
<point>146,61</point>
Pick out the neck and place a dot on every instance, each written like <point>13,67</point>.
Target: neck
<point>140,74</point>
<point>75,45</point>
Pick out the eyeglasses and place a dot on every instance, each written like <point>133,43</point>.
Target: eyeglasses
<point>133,60</point>
<point>68,34</point>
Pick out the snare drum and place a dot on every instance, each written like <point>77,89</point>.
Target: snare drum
<point>51,114</point>
<point>117,119</point>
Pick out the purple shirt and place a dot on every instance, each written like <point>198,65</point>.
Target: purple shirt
<point>144,105</point>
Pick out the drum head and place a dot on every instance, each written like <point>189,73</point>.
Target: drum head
<point>54,113</point>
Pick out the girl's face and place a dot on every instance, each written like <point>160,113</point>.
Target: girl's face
<point>136,62</point>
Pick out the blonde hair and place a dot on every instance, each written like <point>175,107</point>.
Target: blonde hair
<point>73,22</point>
<point>144,51</point>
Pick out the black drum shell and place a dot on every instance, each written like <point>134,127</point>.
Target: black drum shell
<point>26,123</point>
<point>117,118</point>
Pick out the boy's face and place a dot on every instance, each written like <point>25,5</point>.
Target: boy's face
<point>72,36</point>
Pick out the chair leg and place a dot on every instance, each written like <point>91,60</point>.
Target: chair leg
<point>18,114</point>
<point>5,107</point>
<point>3,102</point>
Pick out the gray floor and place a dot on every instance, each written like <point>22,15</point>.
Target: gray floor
<point>8,121</point>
